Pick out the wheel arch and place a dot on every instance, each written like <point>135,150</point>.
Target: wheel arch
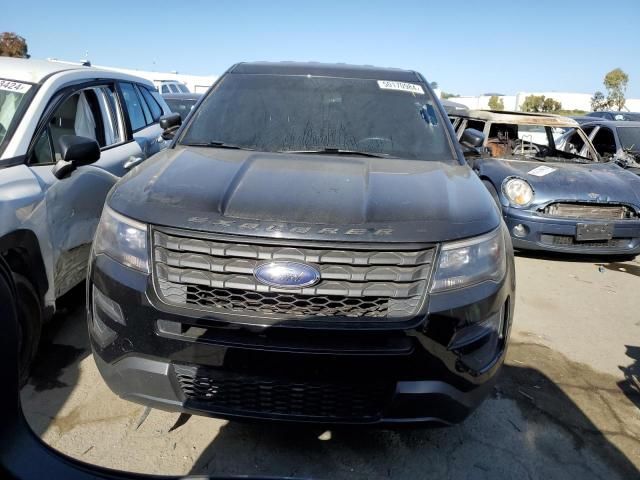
<point>20,253</point>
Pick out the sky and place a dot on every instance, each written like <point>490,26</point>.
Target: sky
<point>468,48</point>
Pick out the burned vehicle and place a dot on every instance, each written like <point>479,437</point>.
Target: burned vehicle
<point>312,247</point>
<point>555,192</point>
<point>67,134</point>
<point>617,141</point>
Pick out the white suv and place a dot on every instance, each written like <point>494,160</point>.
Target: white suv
<point>171,86</point>
<point>67,134</point>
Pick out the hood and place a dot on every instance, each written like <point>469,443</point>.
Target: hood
<point>594,182</point>
<point>313,197</point>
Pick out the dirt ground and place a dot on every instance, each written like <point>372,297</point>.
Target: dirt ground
<point>567,404</point>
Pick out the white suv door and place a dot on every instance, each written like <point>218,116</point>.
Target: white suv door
<point>72,206</point>
<point>144,111</point>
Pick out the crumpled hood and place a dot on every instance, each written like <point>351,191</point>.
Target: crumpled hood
<point>306,196</point>
<point>601,182</point>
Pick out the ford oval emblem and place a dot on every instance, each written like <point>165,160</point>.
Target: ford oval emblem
<point>284,274</point>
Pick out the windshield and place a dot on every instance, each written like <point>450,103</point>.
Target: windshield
<point>12,95</point>
<point>629,138</point>
<point>275,113</point>
<point>181,106</point>
<point>628,116</point>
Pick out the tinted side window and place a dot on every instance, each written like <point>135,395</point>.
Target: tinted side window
<point>164,89</point>
<point>605,142</point>
<point>134,107</point>
<point>155,109</point>
<point>145,108</point>
<point>42,152</point>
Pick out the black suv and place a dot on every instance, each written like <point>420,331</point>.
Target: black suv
<point>312,247</point>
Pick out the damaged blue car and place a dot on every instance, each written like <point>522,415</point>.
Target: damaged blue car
<point>555,192</point>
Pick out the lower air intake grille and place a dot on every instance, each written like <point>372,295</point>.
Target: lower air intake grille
<point>570,241</point>
<point>246,394</point>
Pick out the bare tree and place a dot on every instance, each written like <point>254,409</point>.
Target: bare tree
<point>599,102</point>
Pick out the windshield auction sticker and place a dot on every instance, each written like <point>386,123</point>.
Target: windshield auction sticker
<point>401,86</point>
<point>541,171</point>
<point>11,86</point>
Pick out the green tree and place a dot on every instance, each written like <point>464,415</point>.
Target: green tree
<point>551,105</point>
<point>496,103</point>
<point>616,84</point>
<point>12,45</point>
<point>540,104</point>
<point>446,95</point>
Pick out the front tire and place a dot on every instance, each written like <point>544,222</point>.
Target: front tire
<point>29,310</point>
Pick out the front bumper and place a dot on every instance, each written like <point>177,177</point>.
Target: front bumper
<point>559,234</point>
<point>299,375</point>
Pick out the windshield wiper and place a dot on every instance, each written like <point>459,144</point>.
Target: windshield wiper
<point>338,151</point>
<point>217,144</point>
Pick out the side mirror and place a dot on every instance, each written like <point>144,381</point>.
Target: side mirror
<point>472,138</point>
<point>75,151</point>
<point>170,124</point>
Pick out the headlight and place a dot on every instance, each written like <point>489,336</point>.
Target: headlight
<point>471,261</point>
<point>518,191</point>
<point>122,239</point>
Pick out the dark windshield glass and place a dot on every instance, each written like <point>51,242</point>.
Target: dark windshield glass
<point>630,117</point>
<point>289,113</point>
<point>629,138</point>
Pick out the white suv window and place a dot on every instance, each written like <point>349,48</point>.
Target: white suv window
<point>91,112</point>
<point>174,88</point>
<point>134,106</point>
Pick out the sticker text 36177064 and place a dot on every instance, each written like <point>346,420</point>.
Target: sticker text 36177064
<point>401,86</point>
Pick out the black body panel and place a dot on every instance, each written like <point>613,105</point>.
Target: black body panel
<point>307,197</point>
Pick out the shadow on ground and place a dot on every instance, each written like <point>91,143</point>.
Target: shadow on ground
<point>56,364</point>
<point>631,383</point>
<point>530,428</point>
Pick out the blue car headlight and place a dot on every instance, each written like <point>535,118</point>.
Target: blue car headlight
<point>518,191</point>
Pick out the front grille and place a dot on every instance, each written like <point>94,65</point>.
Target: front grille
<point>217,276</point>
<point>589,211</point>
<point>289,303</point>
<point>258,395</point>
<point>570,241</point>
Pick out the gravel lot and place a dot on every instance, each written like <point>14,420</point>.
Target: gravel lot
<point>567,404</point>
